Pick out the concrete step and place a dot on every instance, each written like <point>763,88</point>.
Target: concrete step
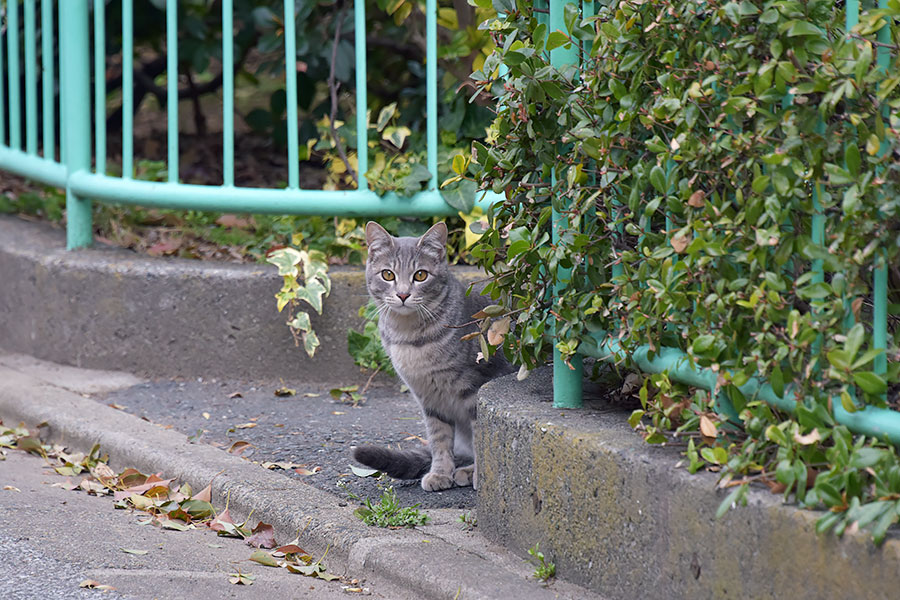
<point>619,517</point>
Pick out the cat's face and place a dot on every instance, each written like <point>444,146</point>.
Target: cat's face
<point>406,275</point>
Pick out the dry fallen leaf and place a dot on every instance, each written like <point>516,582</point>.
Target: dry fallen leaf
<point>117,406</point>
<point>285,391</point>
<point>235,395</point>
<point>206,415</point>
<point>238,447</point>
<point>707,427</point>
<point>11,488</point>
<point>245,426</point>
<point>303,471</point>
<point>95,585</point>
<point>263,536</point>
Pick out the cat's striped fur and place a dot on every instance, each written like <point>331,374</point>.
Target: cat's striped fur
<point>418,298</point>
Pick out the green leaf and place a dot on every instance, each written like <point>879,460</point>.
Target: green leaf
<point>847,402</point>
<point>286,259</point>
<point>385,116</point>
<point>703,343</point>
<point>839,359</point>
<point>799,28</point>
<point>556,39</point>
<point>870,382</point>
<point>776,380</point>
<point>312,294</point>
<point>852,159</point>
<point>264,558</point>
<point>730,499</point>
<point>855,338</point>
<point>570,15</point>
<point>301,322</point>
<point>658,179</point>
<point>310,342</point>
<point>462,196</point>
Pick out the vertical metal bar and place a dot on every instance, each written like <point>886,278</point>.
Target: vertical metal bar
<point>127,89</point>
<point>75,64</point>
<point>567,382</point>
<point>12,39</point>
<point>227,93</point>
<point>2,97</point>
<point>431,91</point>
<point>48,77</point>
<point>100,86</point>
<point>879,315</point>
<point>290,73</point>
<point>31,120</point>
<point>362,117</point>
<point>63,136</point>
<point>172,88</point>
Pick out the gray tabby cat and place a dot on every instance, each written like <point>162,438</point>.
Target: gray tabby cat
<point>417,298</point>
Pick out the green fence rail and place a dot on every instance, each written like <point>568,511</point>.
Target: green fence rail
<point>84,184</point>
<point>72,168</point>
<point>567,393</point>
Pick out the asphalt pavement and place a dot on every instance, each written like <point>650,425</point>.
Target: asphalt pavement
<point>184,430</point>
<point>304,427</point>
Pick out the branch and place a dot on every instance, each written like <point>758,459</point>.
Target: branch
<point>333,87</point>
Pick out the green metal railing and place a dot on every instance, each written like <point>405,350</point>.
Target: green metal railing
<point>567,391</point>
<point>84,185</point>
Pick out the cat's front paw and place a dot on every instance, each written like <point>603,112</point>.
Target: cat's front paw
<point>464,476</point>
<point>435,482</point>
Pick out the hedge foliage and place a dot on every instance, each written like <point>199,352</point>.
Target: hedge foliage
<point>689,151</point>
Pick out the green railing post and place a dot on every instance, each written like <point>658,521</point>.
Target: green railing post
<point>567,381</point>
<point>75,63</point>
<point>12,41</point>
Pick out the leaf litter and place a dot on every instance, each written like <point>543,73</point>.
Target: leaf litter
<point>168,504</point>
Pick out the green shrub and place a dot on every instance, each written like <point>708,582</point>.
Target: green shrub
<point>688,155</point>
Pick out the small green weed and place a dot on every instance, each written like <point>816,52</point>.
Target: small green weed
<point>468,520</point>
<point>544,569</point>
<point>365,347</point>
<point>389,513</point>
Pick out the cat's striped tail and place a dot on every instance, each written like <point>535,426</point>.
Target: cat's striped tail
<point>399,464</point>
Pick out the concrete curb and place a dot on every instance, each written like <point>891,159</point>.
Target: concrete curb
<point>616,515</point>
<point>435,561</point>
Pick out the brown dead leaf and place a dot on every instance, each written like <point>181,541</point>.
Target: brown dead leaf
<point>165,247</point>
<point>245,425</point>
<point>263,536</point>
<point>92,584</point>
<point>235,395</point>
<point>497,331</point>
<point>680,242</point>
<point>707,427</point>
<point>235,222</point>
<point>697,199</point>
<point>238,447</point>
<point>305,471</point>
<point>222,521</point>
<point>11,488</point>
<point>116,406</point>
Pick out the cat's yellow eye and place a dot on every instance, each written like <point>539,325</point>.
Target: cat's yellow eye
<point>420,275</point>
<point>387,275</point>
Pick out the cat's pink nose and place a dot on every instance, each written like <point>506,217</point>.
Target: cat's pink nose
<point>402,297</point>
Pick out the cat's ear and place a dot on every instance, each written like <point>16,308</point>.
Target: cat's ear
<point>377,235</point>
<point>436,238</point>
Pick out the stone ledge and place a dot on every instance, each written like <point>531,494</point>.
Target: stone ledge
<point>111,308</point>
<point>615,515</point>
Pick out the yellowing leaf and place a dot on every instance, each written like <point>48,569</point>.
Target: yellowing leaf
<point>680,242</point>
<point>707,427</point>
<point>810,438</point>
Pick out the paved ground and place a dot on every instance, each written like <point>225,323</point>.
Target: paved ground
<point>84,537</point>
<point>309,429</point>
<point>51,540</point>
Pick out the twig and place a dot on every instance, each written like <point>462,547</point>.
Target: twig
<point>369,382</point>
<point>333,87</point>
